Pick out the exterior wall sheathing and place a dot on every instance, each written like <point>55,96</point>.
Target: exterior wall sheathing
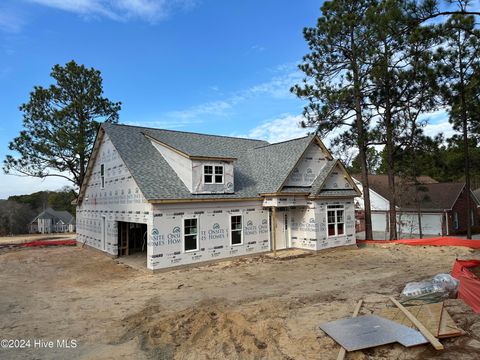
<point>119,200</point>
<point>166,244</point>
<point>309,226</point>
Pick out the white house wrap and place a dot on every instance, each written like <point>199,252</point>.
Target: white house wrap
<point>181,198</point>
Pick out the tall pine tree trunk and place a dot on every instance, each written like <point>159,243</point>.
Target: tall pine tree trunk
<point>419,214</point>
<point>389,144</point>
<point>392,212</point>
<point>361,141</point>
<point>466,152</point>
<point>366,190</point>
<point>417,200</point>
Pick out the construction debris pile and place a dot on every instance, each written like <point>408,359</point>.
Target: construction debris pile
<point>418,318</point>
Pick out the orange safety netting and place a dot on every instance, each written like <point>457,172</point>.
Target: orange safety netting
<point>49,243</point>
<point>438,241</point>
<point>469,287</point>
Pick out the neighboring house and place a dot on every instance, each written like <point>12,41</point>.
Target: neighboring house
<point>477,195</point>
<point>181,198</point>
<point>442,206</point>
<point>52,221</point>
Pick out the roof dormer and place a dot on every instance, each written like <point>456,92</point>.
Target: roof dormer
<point>200,174</point>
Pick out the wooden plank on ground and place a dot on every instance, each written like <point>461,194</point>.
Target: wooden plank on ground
<point>342,352</point>
<point>448,328</point>
<point>428,335</point>
<point>435,318</point>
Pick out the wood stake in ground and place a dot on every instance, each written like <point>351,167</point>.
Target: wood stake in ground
<point>428,335</point>
<point>342,352</point>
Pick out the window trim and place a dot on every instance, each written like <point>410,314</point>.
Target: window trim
<point>335,208</point>
<point>241,230</point>
<point>102,176</point>
<point>197,240</point>
<point>203,174</point>
<point>455,221</point>
<point>213,174</point>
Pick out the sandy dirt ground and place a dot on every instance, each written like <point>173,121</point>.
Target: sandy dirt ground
<point>20,239</point>
<point>250,308</point>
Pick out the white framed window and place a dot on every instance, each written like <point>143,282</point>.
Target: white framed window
<point>213,174</point>
<point>236,230</point>
<point>190,235</point>
<point>455,221</point>
<point>102,175</point>
<point>335,220</point>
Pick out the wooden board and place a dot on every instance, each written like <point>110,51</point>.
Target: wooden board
<point>425,332</point>
<point>448,328</point>
<point>343,352</point>
<point>435,318</point>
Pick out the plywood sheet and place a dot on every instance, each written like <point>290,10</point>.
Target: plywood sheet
<point>433,316</point>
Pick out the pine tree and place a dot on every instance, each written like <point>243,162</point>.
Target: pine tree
<point>459,67</point>
<point>60,124</point>
<point>335,85</point>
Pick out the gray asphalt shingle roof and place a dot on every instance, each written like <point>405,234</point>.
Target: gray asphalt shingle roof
<point>201,145</point>
<point>259,167</point>
<point>272,163</point>
<point>56,216</point>
<point>431,194</point>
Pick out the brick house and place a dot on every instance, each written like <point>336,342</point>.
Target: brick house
<point>442,206</point>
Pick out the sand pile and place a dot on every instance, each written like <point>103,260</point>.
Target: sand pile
<point>209,331</point>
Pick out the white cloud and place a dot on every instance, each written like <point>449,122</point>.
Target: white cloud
<point>11,21</point>
<point>257,48</point>
<point>149,10</point>
<point>165,124</point>
<point>6,71</point>
<point>437,122</point>
<point>278,87</point>
<point>441,127</point>
<point>216,108</point>
<point>286,127</point>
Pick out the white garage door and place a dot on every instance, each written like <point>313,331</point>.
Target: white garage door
<point>431,224</point>
<point>379,222</point>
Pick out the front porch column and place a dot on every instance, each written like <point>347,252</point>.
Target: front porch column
<point>274,230</point>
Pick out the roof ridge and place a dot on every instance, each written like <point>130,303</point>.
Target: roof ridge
<point>187,132</point>
<point>282,142</point>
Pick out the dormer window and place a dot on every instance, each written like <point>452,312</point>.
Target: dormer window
<point>213,174</point>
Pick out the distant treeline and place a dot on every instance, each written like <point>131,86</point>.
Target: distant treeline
<point>440,158</point>
<point>17,211</point>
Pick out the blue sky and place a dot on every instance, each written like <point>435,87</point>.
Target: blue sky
<point>212,66</point>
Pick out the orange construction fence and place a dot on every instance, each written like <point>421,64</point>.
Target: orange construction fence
<point>438,241</point>
<point>469,287</point>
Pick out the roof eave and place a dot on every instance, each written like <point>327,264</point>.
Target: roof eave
<point>202,200</point>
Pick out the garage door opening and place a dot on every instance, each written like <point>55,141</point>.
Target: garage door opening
<point>132,239</point>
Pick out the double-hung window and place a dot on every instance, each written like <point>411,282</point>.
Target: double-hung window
<point>335,220</point>
<point>190,234</point>
<point>236,233</point>
<point>213,174</point>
